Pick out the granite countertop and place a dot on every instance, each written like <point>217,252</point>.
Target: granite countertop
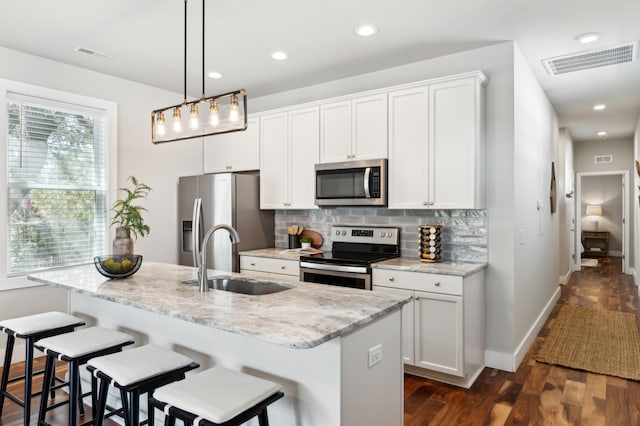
<point>446,268</point>
<point>274,253</point>
<point>304,316</point>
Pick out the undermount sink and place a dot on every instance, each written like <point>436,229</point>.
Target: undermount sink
<point>244,286</point>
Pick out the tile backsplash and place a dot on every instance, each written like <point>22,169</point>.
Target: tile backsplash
<point>464,232</point>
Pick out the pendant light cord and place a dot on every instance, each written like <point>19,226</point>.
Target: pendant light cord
<point>185,51</point>
<point>202,49</point>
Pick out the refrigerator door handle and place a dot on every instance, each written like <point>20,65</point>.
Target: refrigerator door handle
<point>197,228</point>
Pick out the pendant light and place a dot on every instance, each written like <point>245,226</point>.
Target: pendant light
<point>226,113</point>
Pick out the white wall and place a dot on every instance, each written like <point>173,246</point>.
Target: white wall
<point>536,229</point>
<point>566,211</point>
<point>635,243</point>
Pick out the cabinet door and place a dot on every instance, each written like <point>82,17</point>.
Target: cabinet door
<point>273,161</point>
<point>408,132</point>
<point>369,127</point>
<point>304,136</point>
<point>407,322</point>
<point>454,126</point>
<point>232,152</point>
<point>439,332</point>
<point>335,132</point>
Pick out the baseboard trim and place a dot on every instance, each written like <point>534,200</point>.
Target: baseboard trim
<point>511,362</point>
<point>564,279</point>
<point>615,253</point>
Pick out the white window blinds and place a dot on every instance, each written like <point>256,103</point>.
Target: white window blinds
<point>57,184</point>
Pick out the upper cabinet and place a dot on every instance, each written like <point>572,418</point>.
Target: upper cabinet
<point>435,144</point>
<point>233,152</point>
<point>288,153</point>
<point>354,129</point>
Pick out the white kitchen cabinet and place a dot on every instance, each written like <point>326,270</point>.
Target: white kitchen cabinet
<point>354,129</point>
<point>268,267</point>
<point>435,144</point>
<point>288,153</point>
<point>235,151</point>
<point>443,325</point>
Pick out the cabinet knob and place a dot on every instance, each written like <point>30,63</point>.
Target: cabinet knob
<point>229,167</point>
<point>283,267</point>
<point>425,203</point>
<point>392,279</point>
<point>437,283</point>
<point>431,203</point>
<point>253,263</point>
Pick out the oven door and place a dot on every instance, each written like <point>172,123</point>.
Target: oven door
<point>339,278</point>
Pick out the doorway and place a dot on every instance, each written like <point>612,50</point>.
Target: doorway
<point>602,203</point>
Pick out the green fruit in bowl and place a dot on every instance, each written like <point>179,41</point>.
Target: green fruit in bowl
<point>126,265</point>
<point>112,266</point>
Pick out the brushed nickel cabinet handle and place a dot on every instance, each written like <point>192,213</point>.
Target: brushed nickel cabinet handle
<point>437,283</point>
<point>392,279</point>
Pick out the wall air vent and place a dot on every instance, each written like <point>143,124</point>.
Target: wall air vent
<point>602,159</point>
<point>620,54</point>
<point>92,52</point>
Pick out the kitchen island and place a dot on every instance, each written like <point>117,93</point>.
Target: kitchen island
<point>319,342</point>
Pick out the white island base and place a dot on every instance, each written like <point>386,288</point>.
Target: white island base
<point>328,385</point>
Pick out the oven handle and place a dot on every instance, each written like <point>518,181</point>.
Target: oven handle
<point>337,268</point>
<point>367,174</point>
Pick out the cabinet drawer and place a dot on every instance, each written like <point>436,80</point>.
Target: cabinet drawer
<point>269,265</point>
<point>435,283</point>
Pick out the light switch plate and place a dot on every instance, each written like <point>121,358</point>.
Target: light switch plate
<point>375,355</point>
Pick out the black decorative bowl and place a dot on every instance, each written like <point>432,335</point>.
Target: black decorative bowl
<point>118,266</point>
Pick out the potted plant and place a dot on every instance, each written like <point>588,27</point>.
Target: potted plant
<point>305,242</point>
<point>128,217</point>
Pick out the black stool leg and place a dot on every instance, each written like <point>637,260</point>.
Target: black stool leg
<point>263,417</point>
<point>94,396</point>
<point>134,406</point>
<point>151,414</point>
<point>28,375</point>
<point>102,402</point>
<point>124,397</point>
<point>169,420</point>
<point>5,369</point>
<point>73,389</point>
<point>47,383</point>
<point>79,391</point>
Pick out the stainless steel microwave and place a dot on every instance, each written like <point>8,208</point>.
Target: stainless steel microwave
<point>352,183</point>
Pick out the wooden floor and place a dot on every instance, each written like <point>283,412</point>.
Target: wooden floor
<point>540,394</point>
<point>536,394</point>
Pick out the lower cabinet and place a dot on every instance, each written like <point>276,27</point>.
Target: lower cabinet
<point>443,325</point>
<point>266,267</point>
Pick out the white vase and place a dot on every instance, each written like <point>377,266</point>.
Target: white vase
<point>305,245</point>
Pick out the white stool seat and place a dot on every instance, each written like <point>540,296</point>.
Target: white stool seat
<point>139,363</point>
<point>217,394</point>
<point>39,322</point>
<point>83,341</point>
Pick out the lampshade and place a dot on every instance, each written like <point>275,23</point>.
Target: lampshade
<point>594,210</point>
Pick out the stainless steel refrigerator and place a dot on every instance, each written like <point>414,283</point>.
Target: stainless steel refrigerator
<point>230,198</point>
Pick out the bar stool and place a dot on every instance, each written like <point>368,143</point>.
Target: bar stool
<point>217,397</point>
<point>76,349</point>
<point>31,328</point>
<point>136,372</point>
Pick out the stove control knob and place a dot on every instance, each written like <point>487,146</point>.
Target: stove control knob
<point>337,232</point>
<point>389,235</point>
<point>382,234</point>
<point>344,233</point>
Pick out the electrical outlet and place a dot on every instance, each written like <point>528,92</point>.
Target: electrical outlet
<point>375,355</point>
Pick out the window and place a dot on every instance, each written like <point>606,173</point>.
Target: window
<point>57,183</point>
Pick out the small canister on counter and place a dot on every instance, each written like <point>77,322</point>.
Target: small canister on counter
<point>430,246</point>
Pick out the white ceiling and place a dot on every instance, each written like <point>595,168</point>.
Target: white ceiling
<point>145,41</point>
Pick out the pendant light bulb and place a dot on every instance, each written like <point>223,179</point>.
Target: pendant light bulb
<point>234,112</point>
<point>160,127</point>
<point>214,116</point>
<point>177,120</point>
<point>194,120</point>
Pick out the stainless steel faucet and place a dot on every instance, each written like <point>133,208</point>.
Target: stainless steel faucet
<point>202,271</point>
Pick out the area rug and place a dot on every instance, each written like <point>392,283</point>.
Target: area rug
<point>604,342</point>
<point>589,262</point>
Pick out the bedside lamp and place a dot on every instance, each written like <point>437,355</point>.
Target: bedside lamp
<point>594,211</point>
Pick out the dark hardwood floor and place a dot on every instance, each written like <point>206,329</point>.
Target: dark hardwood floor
<point>536,394</point>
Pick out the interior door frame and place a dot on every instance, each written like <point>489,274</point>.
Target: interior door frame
<point>625,216</point>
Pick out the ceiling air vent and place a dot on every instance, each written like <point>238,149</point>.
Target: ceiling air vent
<point>601,159</point>
<point>92,52</point>
<point>620,54</point>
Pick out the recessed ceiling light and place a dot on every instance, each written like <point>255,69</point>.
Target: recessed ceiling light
<point>599,107</point>
<point>215,74</point>
<point>587,38</point>
<point>602,134</point>
<point>365,30</point>
<point>279,55</point>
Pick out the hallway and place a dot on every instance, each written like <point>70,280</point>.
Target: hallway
<point>541,394</point>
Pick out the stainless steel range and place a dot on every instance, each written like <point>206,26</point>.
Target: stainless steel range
<point>353,250</point>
